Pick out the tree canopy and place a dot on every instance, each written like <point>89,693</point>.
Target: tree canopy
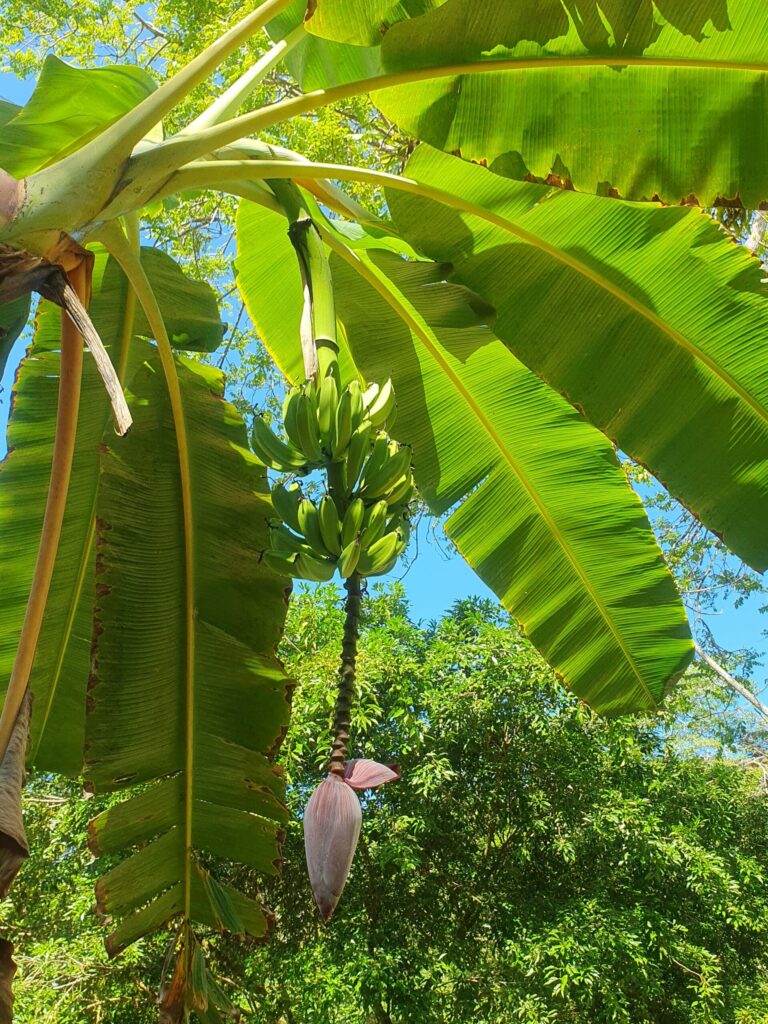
<point>535,863</point>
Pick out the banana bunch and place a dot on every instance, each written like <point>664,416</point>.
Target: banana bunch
<point>362,525</point>
<point>314,540</point>
<point>321,423</point>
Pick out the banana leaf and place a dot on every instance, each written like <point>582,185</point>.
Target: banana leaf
<point>184,670</point>
<point>539,505</point>
<point>13,319</point>
<point>646,98</point>
<point>62,661</point>
<point>651,321</point>
<point>68,107</point>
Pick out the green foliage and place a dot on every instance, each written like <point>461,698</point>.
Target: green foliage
<point>535,863</point>
<point>60,672</point>
<point>584,292</point>
<point>13,319</point>
<point>159,602</point>
<point>633,55</point>
<point>119,623</point>
<point>198,698</point>
<point>68,107</point>
<point>65,974</point>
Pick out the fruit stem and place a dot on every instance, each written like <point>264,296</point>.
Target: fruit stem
<point>61,469</point>
<point>346,692</point>
<point>319,341</point>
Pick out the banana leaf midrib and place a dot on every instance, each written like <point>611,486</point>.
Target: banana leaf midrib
<point>392,79</point>
<point>131,265</point>
<point>638,307</point>
<point>413,319</point>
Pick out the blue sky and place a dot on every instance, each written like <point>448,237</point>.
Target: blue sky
<point>436,579</point>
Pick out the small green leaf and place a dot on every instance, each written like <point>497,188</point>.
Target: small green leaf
<point>68,107</point>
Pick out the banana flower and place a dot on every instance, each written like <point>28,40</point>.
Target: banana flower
<point>332,821</point>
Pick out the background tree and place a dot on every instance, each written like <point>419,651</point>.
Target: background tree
<point>535,863</point>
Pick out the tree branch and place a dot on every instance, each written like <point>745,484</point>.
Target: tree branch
<point>733,683</point>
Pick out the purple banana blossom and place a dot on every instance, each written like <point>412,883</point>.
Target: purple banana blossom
<point>332,821</point>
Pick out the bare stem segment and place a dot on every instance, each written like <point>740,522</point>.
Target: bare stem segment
<point>346,676</point>
<point>61,470</point>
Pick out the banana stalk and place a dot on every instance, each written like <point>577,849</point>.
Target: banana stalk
<point>319,342</point>
<point>333,816</point>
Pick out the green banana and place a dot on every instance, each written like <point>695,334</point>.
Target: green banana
<point>311,391</point>
<point>377,458</point>
<point>356,400</point>
<point>378,483</point>
<point>359,446</point>
<point>327,403</point>
<point>285,501</point>
<point>289,395</point>
<point>309,521</point>
<point>353,521</point>
<point>282,539</point>
<point>343,432</point>
<point>370,395</point>
<point>374,524</point>
<point>306,424</point>
<point>349,558</point>
<point>382,407</point>
<point>317,570</point>
<point>381,556</point>
<point>290,408</point>
<point>402,492</point>
<point>281,563</point>
<point>330,526</point>
<point>273,452</point>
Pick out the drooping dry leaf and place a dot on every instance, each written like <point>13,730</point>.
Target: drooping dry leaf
<point>14,848</point>
<point>24,272</point>
<point>172,999</point>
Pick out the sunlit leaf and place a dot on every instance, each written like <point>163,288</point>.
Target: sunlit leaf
<point>541,508</point>
<point>652,321</point>
<point>68,107</point>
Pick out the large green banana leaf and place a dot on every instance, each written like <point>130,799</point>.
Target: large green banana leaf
<point>652,321</point>
<point>68,107</point>
<point>186,692</point>
<point>649,98</point>
<point>62,660</point>
<point>542,510</point>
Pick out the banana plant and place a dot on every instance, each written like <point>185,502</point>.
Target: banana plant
<point>534,316</point>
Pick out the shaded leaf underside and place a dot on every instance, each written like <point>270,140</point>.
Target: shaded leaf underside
<point>646,98</point>
<point>62,659</point>
<point>196,706</point>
